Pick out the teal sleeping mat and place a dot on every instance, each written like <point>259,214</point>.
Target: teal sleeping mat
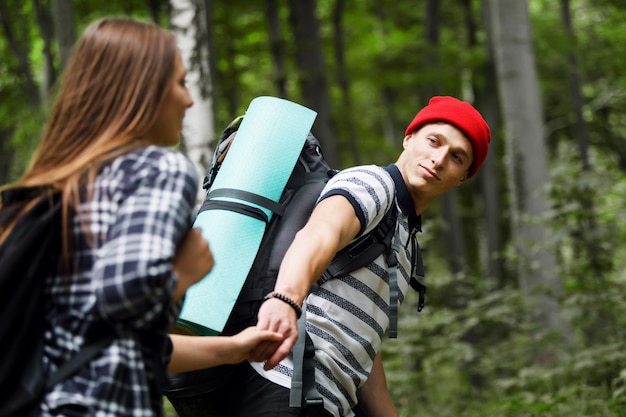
<point>260,161</point>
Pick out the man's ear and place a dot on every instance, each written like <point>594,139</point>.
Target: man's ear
<point>405,142</point>
<point>463,178</point>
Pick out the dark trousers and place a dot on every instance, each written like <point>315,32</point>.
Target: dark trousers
<point>242,392</point>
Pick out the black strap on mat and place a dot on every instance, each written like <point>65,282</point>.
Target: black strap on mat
<point>248,196</point>
<point>240,208</point>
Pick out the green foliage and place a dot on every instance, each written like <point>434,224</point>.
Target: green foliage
<point>25,139</point>
<point>473,351</point>
<point>169,409</point>
<point>474,361</point>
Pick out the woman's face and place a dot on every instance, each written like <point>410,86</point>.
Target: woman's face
<point>169,122</point>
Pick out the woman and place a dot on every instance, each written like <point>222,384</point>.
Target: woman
<point>128,253</point>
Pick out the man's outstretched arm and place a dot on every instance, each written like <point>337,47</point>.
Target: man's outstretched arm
<point>332,226</point>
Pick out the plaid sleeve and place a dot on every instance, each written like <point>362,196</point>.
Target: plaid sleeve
<point>133,274</point>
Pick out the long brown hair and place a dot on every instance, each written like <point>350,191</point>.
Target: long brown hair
<point>110,94</point>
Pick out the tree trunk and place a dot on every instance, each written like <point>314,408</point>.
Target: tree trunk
<point>599,261</point>
<point>277,47</point>
<point>6,156</point>
<point>154,8</point>
<point>387,93</point>
<point>431,59</point>
<point>588,223</point>
<point>488,175</point>
<point>15,30</point>
<point>44,20</point>
<point>346,123</point>
<point>229,85</point>
<point>311,69</point>
<point>64,27</point>
<point>15,27</point>
<point>537,268</point>
<point>188,23</point>
<point>209,21</point>
<point>453,236</point>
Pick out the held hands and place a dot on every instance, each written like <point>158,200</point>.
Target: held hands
<point>280,317</point>
<point>191,353</point>
<point>192,262</point>
<point>246,342</point>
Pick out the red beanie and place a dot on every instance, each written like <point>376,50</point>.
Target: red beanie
<point>462,115</point>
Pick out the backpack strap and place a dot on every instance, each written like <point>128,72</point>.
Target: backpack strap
<point>304,391</point>
<point>394,293</point>
<point>221,149</point>
<point>363,251</point>
<point>84,355</point>
<point>418,271</point>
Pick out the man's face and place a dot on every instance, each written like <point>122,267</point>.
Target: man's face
<point>436,158</point>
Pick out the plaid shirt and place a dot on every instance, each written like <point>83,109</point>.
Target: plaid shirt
<point>140,210</point>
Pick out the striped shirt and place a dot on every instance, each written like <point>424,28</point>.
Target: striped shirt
<point>348,316</point>
<point>141,208</point>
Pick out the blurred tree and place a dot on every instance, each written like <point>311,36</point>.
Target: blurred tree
<point>277,47</point>
<point>588,223</point>
<point>64,27</point>
<point>188,21</point>
<point>527,169</point>
<point>453,233</point>
<point>493,203</point>
<point>16,28</point>
<point>345,124</point>
<point>46,27</point>
<point>311,66</point>
<point>21,96</point>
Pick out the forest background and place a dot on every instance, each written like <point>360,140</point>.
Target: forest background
<point>525,263</point>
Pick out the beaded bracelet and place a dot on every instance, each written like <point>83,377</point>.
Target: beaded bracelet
<point>285,299</point>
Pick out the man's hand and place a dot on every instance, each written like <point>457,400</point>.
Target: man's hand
<point>279,317</point>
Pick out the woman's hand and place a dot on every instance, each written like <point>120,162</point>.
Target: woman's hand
<point>199,352</point>
<point>192,262</point>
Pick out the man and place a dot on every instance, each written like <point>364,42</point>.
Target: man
<point>347,317</point>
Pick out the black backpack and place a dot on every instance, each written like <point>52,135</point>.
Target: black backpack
<point>25,256</point>
<point>308,178</point>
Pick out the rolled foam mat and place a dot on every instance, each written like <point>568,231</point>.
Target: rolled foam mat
<point>260,160</point>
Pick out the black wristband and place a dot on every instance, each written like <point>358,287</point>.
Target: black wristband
<point>285,299</point>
